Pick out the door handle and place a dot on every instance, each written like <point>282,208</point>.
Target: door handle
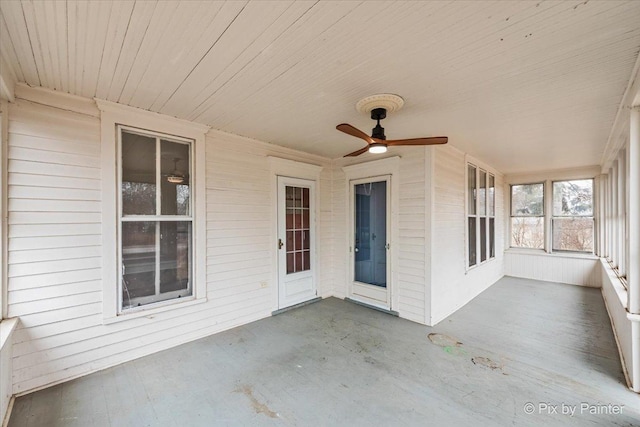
<point>280,244</point>
<point>355,250</point>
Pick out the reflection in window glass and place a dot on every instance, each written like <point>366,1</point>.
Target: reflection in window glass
<point>139,259</point>
<point>492,195</point>
<point>573,223</point>
<point>175,186</point>
<point>573,198</point>
<point>138,174</point>
<point>471,189</point>
<point>482,193</point>
<point>527,200</point>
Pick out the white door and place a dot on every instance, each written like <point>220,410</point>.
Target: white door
<point>370,234</point>
<point>296,241</point>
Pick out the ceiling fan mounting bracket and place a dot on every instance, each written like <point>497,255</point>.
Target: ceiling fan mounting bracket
<point>378,114</point>
<point>388,101</point>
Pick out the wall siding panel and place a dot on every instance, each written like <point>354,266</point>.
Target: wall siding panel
<point>409,287</point>
<point>452,286</point>
<point>55,246</point>
<point>559,268</point>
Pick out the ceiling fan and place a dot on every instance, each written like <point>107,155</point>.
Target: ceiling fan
<point>377,142</point>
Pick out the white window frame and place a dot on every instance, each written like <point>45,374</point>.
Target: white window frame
<point>592,216</point>
<point>111,116</point>
<point>487,215</point>
<point>157,217</point>
<point>545,210</point>
<point>601,207</point>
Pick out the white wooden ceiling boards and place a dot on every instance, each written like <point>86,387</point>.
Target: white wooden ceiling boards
<point>521,85</point>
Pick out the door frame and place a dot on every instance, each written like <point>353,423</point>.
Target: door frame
<point>376,168</point>
<point>297,170</point>
<point>365,288</point>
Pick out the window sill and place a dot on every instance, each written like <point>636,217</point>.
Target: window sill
<point>151,311</point>
<point>541,252</point>
<point>482,264</point>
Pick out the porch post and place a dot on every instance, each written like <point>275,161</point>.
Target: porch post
<point>633,213</point>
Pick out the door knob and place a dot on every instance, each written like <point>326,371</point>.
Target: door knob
<point>280,244</point>
<point>356,250</point>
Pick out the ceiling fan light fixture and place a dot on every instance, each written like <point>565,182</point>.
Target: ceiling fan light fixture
<point>377,148</point>
<point>175,179</point>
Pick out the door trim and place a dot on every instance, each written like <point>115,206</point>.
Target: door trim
<point>366,288</point>
<point>387,166</point>
<point>292,169</point>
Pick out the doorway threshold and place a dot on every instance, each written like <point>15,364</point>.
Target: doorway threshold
<point>291,307</point>
<point>364,304</point>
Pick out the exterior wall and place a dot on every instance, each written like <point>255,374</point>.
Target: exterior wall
<point>452,286</point>
<point>7,327</point>
<point>561,268</point>
<point>55,245</point>
<point>409,290</point>
<point>614,296</point>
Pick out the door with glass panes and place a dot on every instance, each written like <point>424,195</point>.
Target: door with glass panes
<point>370,228</point>
<point>296,241</point>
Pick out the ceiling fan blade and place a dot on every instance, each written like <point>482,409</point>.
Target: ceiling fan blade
<point>434,140</point>
<point>357,153</point>
<point>350,130</point>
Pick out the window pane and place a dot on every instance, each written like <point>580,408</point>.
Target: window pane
<point>482,193</point>
<point>527,200</point>
<point>471,189</point>
<point>573,234</point>
<point>175,257</point>
<point>492,237</point>
<point>483,239</point>
<point>138,174</point>
<point>298,235</point>
<point>175,179</point>
<point>472,241</point>
<point>492,196</point>
<point>527,232</point>
<point>573,198</point>
<point>139,259</point>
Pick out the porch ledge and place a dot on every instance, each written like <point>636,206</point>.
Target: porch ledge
<point>616,284</point>
<point>540,252</point>
<point>7,326</point>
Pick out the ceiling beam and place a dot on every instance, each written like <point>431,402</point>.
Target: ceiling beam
<point>620,128</point>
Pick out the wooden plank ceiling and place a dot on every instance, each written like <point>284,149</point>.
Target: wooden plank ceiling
<point>521,85</point>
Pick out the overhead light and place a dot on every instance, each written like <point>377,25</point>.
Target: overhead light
<point>377,148</point>
<point>175,177</point>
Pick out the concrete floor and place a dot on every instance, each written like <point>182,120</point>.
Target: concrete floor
<point>337,363</point>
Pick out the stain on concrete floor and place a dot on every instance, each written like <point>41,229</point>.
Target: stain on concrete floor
<point>259,407</point>
<point>449,345</point>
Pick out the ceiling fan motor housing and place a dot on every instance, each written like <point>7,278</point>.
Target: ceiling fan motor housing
<point>378,131</point>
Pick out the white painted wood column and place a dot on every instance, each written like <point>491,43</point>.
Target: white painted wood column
<point>633,213</point>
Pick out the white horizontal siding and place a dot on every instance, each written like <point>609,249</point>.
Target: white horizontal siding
<point>412,238</point>
<point>451,285</point>
<point>55,247</point>
<point>408,289</point>
<point>558,268</point>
